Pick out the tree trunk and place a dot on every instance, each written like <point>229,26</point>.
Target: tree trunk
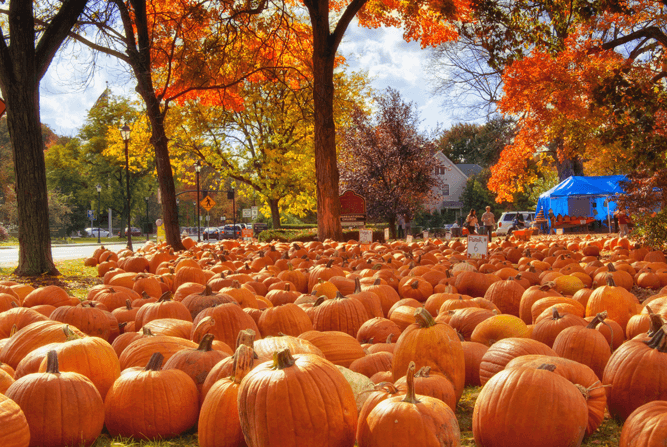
<point>275,213</point>
<point>392,227</point>
<point>30,171</point>
<point>568,166</point>
<point>326,167</point>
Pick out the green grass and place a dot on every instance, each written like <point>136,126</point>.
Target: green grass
<point>74,277</point>
<point>182,441</point>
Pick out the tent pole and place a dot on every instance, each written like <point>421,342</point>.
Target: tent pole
<point>608,216</point>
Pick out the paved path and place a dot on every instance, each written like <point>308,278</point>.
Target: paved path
<point>9,256</point>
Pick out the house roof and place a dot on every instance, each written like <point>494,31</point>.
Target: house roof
<point>469,169</point>
<point>444,158</point>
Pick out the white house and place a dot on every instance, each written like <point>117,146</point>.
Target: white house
<point>452,179</point>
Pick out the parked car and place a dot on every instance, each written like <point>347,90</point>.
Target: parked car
<point>230,233</point>
<point>92,232</point>
<point>211,233</point>
<point>135,231</point>
<point>506,224</point>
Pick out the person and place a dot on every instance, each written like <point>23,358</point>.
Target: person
<point>401,222</point>
<point>623,221</point>
<point>471,221</point>
<point>489,220</point>
<point>519,223</point>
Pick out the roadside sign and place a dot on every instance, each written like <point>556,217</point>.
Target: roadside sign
<point>478,246</point>
<point>366,236</point>
<point>448,235</point>
<point>408,239</point>
<point>207,203</point>
<point>246,233</point>
<point>425,236</point>
<point>91,214</point>
<point>247,212</point>
<point>254,210</point>
<point>386,234</point>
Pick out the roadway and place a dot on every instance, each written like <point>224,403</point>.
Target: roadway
<point>9,256</point>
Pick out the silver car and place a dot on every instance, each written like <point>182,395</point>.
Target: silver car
<point>92,232</point>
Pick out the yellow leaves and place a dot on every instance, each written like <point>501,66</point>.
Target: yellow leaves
<point>140,150</point>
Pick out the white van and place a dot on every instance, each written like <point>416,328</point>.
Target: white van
<point>506,221</point>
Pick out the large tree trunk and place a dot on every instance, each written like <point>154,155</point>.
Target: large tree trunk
<point>30,171</point>
<point>275,213</point>
<point>326,167</point>
<point>568,166</point>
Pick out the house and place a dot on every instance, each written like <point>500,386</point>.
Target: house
<point>452,181</point>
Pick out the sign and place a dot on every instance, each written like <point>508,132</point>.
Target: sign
<point>207,203</point>
<point>448,236</point>
<point>365,236</point>
<point>386,234</point>
<point>425,236</point>
<point>478,246</point>
<point>246,212</point>
<point>559,231</point>
<point>408,239</point>
<point>352,208</point>
<point>246,233</point>
<point>259,227</point>
<point>254,212</point>
<point>351,223</point>
<point>91,214</point>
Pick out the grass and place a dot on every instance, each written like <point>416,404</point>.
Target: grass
<point>74,277</point>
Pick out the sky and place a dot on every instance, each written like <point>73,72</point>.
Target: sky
<point>388,59</point>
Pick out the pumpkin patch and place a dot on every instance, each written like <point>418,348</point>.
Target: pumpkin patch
<point>260,337</point>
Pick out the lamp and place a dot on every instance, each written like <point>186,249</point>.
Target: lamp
<point>146,200</point>
<point>197,170</point>
<point>99,193</point>
<point>125,135</point>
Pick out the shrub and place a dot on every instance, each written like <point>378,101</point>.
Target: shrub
<point>651,229</point>
<point>4,234</point>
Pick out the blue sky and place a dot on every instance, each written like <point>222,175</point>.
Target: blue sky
<point>388,59</point>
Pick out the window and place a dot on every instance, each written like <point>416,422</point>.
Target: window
<point>439,170</point>
<point>445,189</point>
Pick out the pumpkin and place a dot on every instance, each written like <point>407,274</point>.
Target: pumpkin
<point>86,318</point>
<point>14,430</point>
<point>635,372</point>
<point>53,295</point>
<point>506,295</point>
<point>432,385</point>
<point>337,347</point>
<point>219,424</point>
<point>547,329</point>
<point>229,319</point>
<point>288,319</point>
<point>31,337</point>
<point>165,307</point>
<point>170,326</point>
<point>91,357</point>
<point>303,387</point>
<point>197,362</point>
<point>377,329</point>
<point>646,426</point>
<point>154,418</point>
<point>584,345</point>
<point>18,318</point>
<point>499,327</point>
<point>393,421</point>
<point>580,376</point>
<point>502,352</point>
<point>431,344</point>
<point>372,363</point>
<point>340,314</point>
<point>531,295</point>
<point>464,321</point>
<point>62,408</point>
<point>473,353</point>
<point>539,408</point>
<point>141,349</point>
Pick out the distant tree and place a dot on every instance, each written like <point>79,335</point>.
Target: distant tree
<point>387,159</point>
<point>475,143</point>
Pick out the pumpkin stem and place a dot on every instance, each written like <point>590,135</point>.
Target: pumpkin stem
<point>13,331</point>
<point>320,300</point>
<point>166,296</point>
<point>155,362</point>
<point>208,291</point>
<point>389,337</point>
<point>146,332</point>
<point>656,321</point>
<point>52,362</point>
<point>555,315</point>
<point>415,284</point>
<point>13,304</point>
<point>206,343</point>
<point>377,282</point>
<point>244,358</point>
<point>611,267</point>
<point>548,367</point>
<point>424,371</point>
<point>599,318</point>
<point>410,396</point>
<point>610,280</point>
<point>70,334</point>
<point>339,296</point>
<point>423,318</point>
<point>282,359</point>
<point>461,337</point>
<point>357,285</point>
<point>128,304</point>
<point>658,340</point>
<point>246,337</point>
<point>329,263</point>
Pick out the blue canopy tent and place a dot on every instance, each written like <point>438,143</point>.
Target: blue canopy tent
<point>583,196</point>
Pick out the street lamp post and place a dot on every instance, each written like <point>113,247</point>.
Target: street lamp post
<point>125,135</point>
<point>194,213</point>
<point>99,194</point>
<point>197,170</point>
<point>146,200</point>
